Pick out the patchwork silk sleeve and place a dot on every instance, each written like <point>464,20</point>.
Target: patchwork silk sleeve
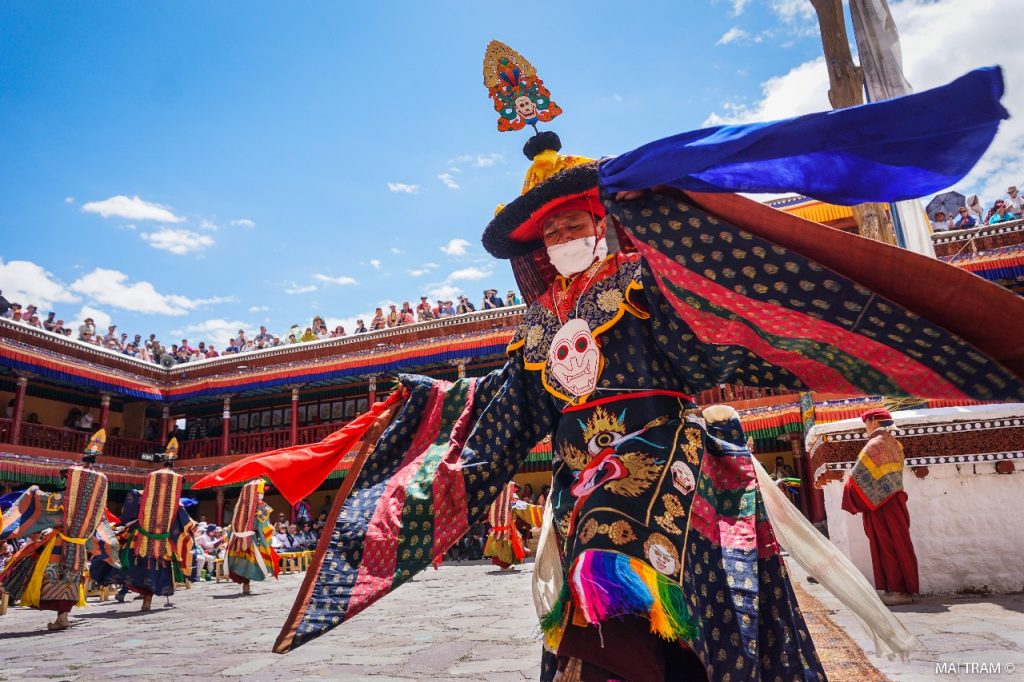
<point>439,464</point>
<point>729,307</point>
<point>34,511</point>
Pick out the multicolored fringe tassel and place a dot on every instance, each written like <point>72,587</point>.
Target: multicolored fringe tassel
<point>608,585</point>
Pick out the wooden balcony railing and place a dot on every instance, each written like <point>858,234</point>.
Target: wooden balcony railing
<point>60,439</point>
<point>52,438</point>
<point>250,443</point>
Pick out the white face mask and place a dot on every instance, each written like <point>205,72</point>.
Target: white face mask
<point>577,255</point>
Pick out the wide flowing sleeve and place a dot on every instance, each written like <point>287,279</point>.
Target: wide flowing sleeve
<point>730,307</point>
<point>896,149</point>
<point>32,512</point>
<point>434,470</point>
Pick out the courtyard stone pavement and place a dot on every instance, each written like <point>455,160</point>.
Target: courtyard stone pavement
<point>463,622</point>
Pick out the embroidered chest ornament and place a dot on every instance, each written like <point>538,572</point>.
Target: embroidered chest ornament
<point>574,358</point>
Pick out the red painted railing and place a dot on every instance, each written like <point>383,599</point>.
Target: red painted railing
<point>52,438</point>
<point>247,443</point>
<point>200,447</point>
<point>317,432</point>
<point>130,448</point>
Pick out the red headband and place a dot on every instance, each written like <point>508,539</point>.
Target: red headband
<point>530,230</point>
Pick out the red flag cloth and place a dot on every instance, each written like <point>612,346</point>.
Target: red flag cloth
<point>111,519</point>
<point>299,469</point>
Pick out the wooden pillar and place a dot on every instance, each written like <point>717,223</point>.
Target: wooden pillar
<point>372,389</point>
<point>294,436</point>
<point>225,429</point>
<point>800,468</point>
<point>846,89</point>
<point>814,497</point>
<point>165,424</point>
<point>219,515</point>
<point>104,409</point>
<point>19,409</point>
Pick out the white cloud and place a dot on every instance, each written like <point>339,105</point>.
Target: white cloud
<point>927,29</point>
<point>470,273</point>
<point>133,208</point>
<point>456,247</point>
<point>129,226</point>
<point>25,282</point>
<point>205,224</point>
<point>111,287</point>
<point>732,35</point>
<point>738,6</point>
<point>258,309</point>
<point>802,90</point>
<point>217,331</point>
<point>69,200</point>
<point>445,292</point>
<point>299,289</point>
<point>403,188</point>
<point>244,222</point>
<point>424,269</point>
<point>480,160</point>
<point>99,318</point>
<point>794,12</point>
<point>343,280</point>
<point>178,242</point>
<point>449,180</point>
<point>375,263</point>
<point>395,250</point>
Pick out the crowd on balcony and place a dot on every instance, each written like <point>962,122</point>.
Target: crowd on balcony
<point>973,214</point>
<point>153,350</point>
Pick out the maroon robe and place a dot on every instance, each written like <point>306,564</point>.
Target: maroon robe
<point>875,489</point>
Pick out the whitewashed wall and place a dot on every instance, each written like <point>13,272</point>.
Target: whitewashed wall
<point>966,522</point>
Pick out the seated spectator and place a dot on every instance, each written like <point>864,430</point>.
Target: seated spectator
<point>465,306</point>
<point>86,330</point>
<point>321,521</point>
<point>940,222</point>
<point>965,220</point>
<point>110,339</point>
<point>511,298</point>
<point>360,327</point>
<point>242,341</point>
<point>1014,202</point>
<point>1000,213</point>
<point>308,335</point>
<point>320,328</point>
<point>34,321</point>
<point>406,316</point>
<point>307,538</point>
<point>85,421</point>
<point>50,322</point>
<point>5,305</point>
<point>447,310</point>
<point>208,544</point>
<point>16,314</point>
<point>264,335</point>
<point>378,321</point>
<point>491,300</point>
<point>338,332</point>
<point>59,328</point>
<point>424,313</point>
<point>232,347</point>
<point>292,339</point>
<point>392,318</point>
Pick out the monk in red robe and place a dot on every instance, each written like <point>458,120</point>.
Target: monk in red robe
<point>875,489</point>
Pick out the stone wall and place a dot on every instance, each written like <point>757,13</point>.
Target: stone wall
<point>965,524</point>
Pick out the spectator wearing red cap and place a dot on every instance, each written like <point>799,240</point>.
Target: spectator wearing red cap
<point>875,489</point>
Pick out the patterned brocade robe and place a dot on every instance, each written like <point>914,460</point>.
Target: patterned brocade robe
<point>249,555</point>
<point>49,573</point>
<point>660,524</point>
<point>162,536</point>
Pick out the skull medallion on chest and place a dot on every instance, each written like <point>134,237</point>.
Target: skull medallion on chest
<point>574,358</point>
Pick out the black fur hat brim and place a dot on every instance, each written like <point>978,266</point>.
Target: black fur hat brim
<point>515,230</point>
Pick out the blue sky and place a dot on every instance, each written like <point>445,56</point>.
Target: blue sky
<point>186,168</point>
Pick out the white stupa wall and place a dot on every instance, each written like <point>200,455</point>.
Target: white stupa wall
<point>965,522</point>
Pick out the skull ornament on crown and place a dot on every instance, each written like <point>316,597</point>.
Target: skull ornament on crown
<point>574,358</point>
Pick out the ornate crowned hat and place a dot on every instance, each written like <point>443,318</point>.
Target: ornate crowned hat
<point>94,447</point>
<point>554,181</point>
<point>171,451</point>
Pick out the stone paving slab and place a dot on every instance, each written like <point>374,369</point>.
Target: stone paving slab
<point>462,623</point>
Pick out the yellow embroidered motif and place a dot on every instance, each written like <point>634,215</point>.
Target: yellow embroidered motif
<point>643,471</point>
